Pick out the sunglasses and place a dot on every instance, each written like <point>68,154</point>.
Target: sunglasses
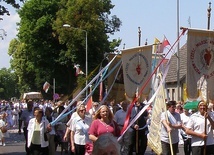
<point>83,110</point>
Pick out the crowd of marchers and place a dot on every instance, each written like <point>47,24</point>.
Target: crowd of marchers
<point>92,131</point>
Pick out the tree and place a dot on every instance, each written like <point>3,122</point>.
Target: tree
<point>13,3</point>
<point>45,50</point>
<point>8,84</point>
<point>93,17</point>
<point>36,50</point>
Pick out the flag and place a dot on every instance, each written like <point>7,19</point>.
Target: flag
<point>101,91</point>
<point>46,86</point>
<point>200,66</point>
<point>164,43</point>
<point>78,70</point>
<point>136,69</point>
<point>89,104</point>
<point>156,45</point>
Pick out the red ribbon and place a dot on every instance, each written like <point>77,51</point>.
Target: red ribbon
<point>143,87</point>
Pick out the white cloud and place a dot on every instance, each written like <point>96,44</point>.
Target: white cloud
<point>8,24</point>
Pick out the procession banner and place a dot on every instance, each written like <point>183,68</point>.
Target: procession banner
<point>136,70</point>
<point>155,127</point>
<point>200,63</point>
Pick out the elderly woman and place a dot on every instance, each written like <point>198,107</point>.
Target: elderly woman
<point>79,131</point>
<point>37,129</point>
<point>103,123</point>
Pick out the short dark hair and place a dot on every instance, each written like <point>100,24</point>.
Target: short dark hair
<point>170,103</point>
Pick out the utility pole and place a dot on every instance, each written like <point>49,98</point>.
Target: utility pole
<point>178,55</point>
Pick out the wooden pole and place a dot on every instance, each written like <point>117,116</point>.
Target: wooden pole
<point>54,89</point>
<point>170,138</point>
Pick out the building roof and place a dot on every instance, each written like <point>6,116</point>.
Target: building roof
<point>172,73</point>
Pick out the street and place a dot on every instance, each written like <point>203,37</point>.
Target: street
<point>15,145</point>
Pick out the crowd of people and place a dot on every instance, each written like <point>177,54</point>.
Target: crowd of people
<point>191,127</point>
<point>95,131</point>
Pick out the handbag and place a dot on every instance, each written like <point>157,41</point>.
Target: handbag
<point>3,129</point>
<point>88,148</point>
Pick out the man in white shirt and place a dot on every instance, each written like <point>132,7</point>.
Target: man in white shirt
<point>119,118</point>
<point>171,122</point>
<point>95,107</point>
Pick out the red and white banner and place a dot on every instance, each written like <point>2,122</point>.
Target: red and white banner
<point>200,63</point>
<point>78,70</point>
<point>46,86</point>
<point>136,69</point>
<point>164,43</point>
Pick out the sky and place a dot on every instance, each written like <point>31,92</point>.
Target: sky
<point>155,18</point>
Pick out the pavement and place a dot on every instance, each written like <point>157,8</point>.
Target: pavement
<point>15,145</point>
<point>14,137</point>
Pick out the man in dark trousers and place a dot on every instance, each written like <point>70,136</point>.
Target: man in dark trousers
<point>139,139</point>
<point>26,115</point>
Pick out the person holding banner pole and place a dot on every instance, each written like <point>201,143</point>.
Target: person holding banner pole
<point>119,118</point>
<point>171,122</point>
<point>201,139</point>
<point>139,135</point>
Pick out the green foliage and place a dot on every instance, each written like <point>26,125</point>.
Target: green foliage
<point>8,84</point>
<point>45,49</point>
<point>86,15</point>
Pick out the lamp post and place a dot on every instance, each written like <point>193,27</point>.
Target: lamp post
<point>86,53</point>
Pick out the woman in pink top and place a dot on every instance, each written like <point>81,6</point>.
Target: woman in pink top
<point>103,123</point>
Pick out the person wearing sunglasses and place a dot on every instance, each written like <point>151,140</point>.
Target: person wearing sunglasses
<point>196,128</point>
<point>79,131</point>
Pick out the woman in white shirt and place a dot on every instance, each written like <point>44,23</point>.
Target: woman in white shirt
<point>37,130</point>
<point>79,131</point>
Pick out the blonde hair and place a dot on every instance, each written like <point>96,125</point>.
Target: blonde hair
<point>97,113</point>
<point>79,106</point>
<point>202,102</point>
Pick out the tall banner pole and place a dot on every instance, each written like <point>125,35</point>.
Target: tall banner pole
<point>205,120</point>
<point>170,138</point>
<point>54,89</point>
<point>139,35</point>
